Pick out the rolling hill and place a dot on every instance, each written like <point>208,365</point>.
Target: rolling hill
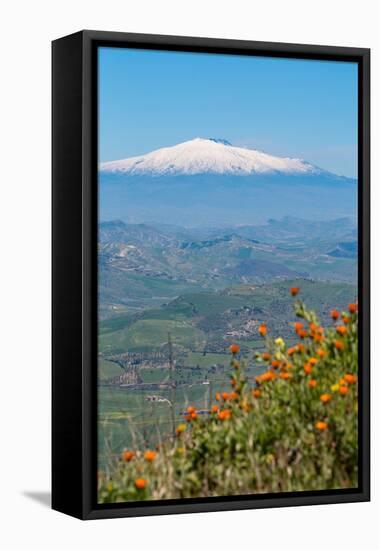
<point>142,266</point>
<point>212,320</point>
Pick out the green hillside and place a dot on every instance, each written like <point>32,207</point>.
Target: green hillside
<point>149,334</point>
<point>195,319</point>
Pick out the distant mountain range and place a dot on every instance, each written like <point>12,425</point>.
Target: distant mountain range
<point>141,265</point>
<point>206,182</point>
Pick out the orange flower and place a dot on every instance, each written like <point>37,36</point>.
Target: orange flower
<point>307,368</point>
<point>302,333</point>
<point>266,376</point>
<point>316,332</point>
<point>225,414</point>
<point>233,396</point>
<point>263,329</point>
<point>275,363</point>
<point>225,395</point>
<point>128,455</point>
<point>218,396</point>
<point>294,290</point>
<point>325,397</point>
<point>344,390</point>
<point>298,326</point>
<point>341,329</point>
<point>291,351</point>
<point>321,352</point>
<point>321,425</point>
<point>312,383</point>
<point>338,344</point>
<point>285,375</point>
<point>350,378</point>
<point>334,314</point>
<point>256,393</point>
<point>300,347</point>
<point>191,414</point>
<point>215,408</point>
<point>266,356</point>
<point>150,456</point>
<point>140,483</point>
<point>234,348</point>
<point>346,319</point>
<point>353,308</point>
<point>342,382</point>
<point>313,361</point>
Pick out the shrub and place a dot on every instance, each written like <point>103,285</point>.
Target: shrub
<point>292,428</point>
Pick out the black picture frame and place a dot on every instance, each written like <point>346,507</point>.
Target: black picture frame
<point>74,271</point>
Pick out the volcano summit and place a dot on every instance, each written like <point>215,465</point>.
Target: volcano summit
<point>208,156</point>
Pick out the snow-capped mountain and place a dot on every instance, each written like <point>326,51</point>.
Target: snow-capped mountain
<point>208,182</point>
<point>207,156</point>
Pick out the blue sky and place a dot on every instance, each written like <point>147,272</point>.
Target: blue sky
<point>299,108</point>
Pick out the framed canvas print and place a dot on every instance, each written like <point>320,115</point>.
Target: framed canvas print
<point>210,274</point>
